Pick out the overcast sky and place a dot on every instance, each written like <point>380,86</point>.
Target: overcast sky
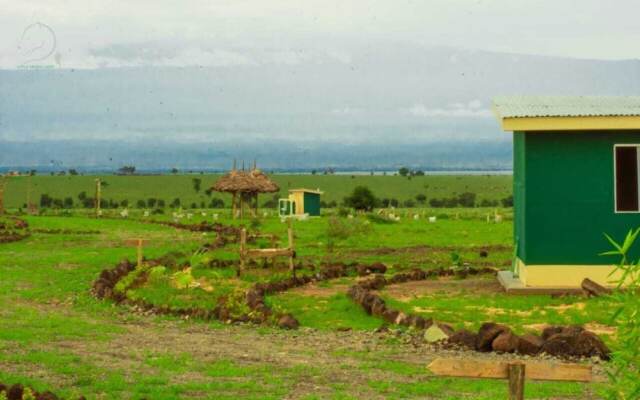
<point>91,33</point>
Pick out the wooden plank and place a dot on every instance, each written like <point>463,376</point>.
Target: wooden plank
<point>535,370</point>
<point>267,253</point>
<point>136,242</point>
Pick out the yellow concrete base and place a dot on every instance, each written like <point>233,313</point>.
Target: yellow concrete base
<point>565,276</point>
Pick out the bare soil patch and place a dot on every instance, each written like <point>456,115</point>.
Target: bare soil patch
<point>476,285</point>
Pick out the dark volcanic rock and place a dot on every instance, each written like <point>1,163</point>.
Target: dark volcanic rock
<point>15,392</point>
<point>287,321</point>
<point>464,338</point>
<point>486,335</point>
<point>550,331</point>
<point>530,344</point>
<point>506,342</point>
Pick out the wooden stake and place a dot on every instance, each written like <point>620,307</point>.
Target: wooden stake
<point>98,195</point>
<point>3,184</point>
<point>516,381</point>
<point>233,200</point>
<point>243,250</point>
<point>139,244</point>
<point>292,266</point>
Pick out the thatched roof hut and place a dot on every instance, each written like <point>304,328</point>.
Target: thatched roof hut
<point>246,184</point>
<point>253,182</point>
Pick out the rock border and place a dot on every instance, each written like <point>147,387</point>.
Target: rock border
<point>561,341</point>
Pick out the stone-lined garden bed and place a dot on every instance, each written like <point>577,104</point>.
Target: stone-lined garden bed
<point>559,341</point>
<point>13,229</point>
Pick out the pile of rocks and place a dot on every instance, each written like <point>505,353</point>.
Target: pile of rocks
<point>559,341</point>
<point>19,392</point>
<point>13,229</point>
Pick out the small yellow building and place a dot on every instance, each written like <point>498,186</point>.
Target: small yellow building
<point>300,202</point>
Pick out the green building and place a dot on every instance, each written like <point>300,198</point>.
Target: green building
<point>575,177</point>
<point>301,202</point>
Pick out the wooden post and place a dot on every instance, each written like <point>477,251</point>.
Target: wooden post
<point>292,266</point>
<point>273,246</point>
<point>139,244</point>
<point>233,205</point>
<point>243,249</point>
<point>3,183</point>
<point>516,381</point>
<point>98,195</point>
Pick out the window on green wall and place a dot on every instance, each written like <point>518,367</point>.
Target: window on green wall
<point>626,178</point>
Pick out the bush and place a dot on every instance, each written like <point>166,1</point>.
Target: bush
<point>421,198</point>
<point>507,202</point>
<point>141,204</point>
<point>409,203</point>
<point>216,203</point>
<point>362,199</point>
<point>623,372</point>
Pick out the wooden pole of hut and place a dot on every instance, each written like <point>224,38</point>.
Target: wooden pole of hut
<point>292,266</point>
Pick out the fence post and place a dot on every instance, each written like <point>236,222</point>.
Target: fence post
<point>516,381</point>
<point>243,245</point>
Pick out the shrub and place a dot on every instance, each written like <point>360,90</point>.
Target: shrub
<point>421,198</point>
<point>151,202</point>
<point>409,203</point>
<point>141,204</point>
<point>216,203</point>
<point>507,202</point>
<point>362,199</point>
<point>623,372</point>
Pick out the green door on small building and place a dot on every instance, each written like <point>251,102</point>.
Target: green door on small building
<point>312,204</point>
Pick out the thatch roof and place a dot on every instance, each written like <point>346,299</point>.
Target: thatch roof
<point>254,181</point>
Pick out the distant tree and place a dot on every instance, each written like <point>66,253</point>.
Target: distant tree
<point>127,170</point>
<point>124,203</point>
<point>58,203</point>
<point>418,173</point>
<point>216,203</point>
<point>160,203</point>
<point>45,201</point>
<point>362,199</point>
<point>507,201</point>
<point>175,203</point>
<point>404,171</point>
<point>467,199</point>
<point>141,204</point>
<point>174,170</point>
<point>82,196</point>
<point>421,198</point>
<point>68,202</point>
<point>73,171</point>
<point>32,172</point>
<point>208,192</point>
<point>194,205</point>
<point>436,203</point>
<point>313,172</point>
<point>409,203</point>
<point>197,182</point>
<point>488,203</point>
<point>151,202</point>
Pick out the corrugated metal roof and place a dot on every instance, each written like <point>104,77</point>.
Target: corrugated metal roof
<point>566,106</point>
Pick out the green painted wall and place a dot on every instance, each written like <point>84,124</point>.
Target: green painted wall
<point>312,204</point>
<point>564,196</point>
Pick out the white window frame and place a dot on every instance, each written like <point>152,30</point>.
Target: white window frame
<point>615,176</point>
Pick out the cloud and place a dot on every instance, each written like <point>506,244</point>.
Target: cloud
<point>344,111</point>
<point>472,109</point>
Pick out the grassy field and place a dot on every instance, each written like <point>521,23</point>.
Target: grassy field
<point>336,187</point>
<point>55,335</point>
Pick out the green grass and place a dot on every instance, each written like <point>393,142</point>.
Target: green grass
<point>335,188</point>
<point>55,336</point>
